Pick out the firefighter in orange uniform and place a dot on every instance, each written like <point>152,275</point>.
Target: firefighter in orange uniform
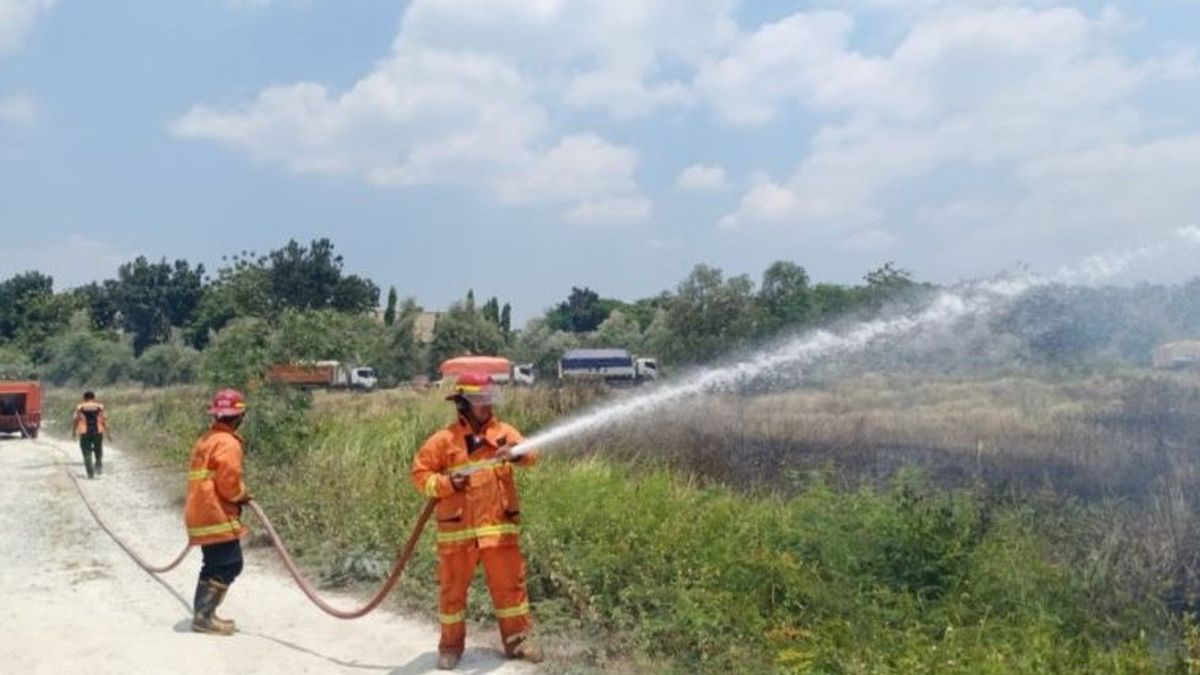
<point>90,424</point>
<point>468,468</point>
<point>215,496</point>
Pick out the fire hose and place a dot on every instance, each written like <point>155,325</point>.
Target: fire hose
<point>309,591</point>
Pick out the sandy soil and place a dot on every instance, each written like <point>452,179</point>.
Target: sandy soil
<point>72,602</point>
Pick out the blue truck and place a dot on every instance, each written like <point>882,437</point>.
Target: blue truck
<point>608,365</point>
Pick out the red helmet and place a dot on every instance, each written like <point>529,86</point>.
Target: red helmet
<point>228,403</point>
<point>477,388</point>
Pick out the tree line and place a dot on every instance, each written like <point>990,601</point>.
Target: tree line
<point>171,322</point>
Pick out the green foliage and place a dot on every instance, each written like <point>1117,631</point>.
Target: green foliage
<point>583,311</point>
<point>82,356</point>
<point>167,364</point>
<point>389,314</point>
<point>239,355</point>
<point>242,289</point>
<point>543,346</point>
<point>30,312</point>
<point>463,330</point>
<point>708,315</point>
<point>304,278</point>
<point>619,331</point>
<point>903,579</point>
<point>277,426</point>
<point>784,298</point>
<point>151,298</point>
<point>15,364</point>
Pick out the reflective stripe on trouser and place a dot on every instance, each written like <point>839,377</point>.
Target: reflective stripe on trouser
<point>504,571</point>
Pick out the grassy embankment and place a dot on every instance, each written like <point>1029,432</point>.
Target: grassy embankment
<point>1051,529</point>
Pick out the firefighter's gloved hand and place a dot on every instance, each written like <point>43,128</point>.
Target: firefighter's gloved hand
<point>247,498</point>
<point>459,481</point>
<point>504,454</point>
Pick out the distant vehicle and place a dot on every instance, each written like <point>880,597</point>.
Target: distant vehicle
<point>1177,355</point>
<point>501,369</point>
<point>21,407</point>
<point>608,365</point>
<point>323,374</point>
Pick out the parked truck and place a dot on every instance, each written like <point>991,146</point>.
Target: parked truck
<point>615,366</point>
<point>20,407</point>
<point>322,375</point>
<point>501,369</point>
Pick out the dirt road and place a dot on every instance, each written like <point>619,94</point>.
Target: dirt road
<point>72,602</point>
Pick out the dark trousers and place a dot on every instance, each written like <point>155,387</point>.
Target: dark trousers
<point>92,445</point>
<point>222,562</point>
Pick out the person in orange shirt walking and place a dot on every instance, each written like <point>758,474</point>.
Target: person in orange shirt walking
<point>89,425</point>
<point>213,510</point>
<point>468,468</point>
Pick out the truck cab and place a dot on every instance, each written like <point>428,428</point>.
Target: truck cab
<point>363,378</point>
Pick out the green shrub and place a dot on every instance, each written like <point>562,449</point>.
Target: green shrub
<point>166,364</point>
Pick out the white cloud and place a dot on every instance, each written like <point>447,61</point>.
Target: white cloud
<point>426,116</point>
<point>995,88</point>
<point>1149,187</point>
<point>610,210</point>
<point>17,110</point>
<point>702,178</point>
<point>16,19</point>
<point>605,54</point>
<point>869,240</point>
<point>580,167</point>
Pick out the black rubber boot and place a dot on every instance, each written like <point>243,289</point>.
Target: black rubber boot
<point>208,596</point>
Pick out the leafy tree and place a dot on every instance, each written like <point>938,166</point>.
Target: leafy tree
<point>543,346</point>
<point>99,299</point>
<point>165,364</point>
<point>389,314</point>
<point>82,356</point>
<point>152,297</point>
<point>394,352</point>
<point>238,355</point>
<point>887,284</point>
<point>581,312</point>
<point>491,310</point>
<point>619,331</point>
<point>784,298</point>
<point>15,364</point>
<point>506,321</point>
<point>242,288</point>
<point>709,315</point>
<point>321,335</point>
<point>832,300</point>
<point>312,279</point>
<point>30,312</point>
<point>463,331</point>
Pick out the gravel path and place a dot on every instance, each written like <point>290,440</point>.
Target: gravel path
<point>72,602</point>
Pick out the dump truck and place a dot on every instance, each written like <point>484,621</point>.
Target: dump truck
<point>322,375</point>
<point>501,369</point>
<point>20,407</point>
<point>609,365</point>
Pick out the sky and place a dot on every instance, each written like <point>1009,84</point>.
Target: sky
<point>522,147</point>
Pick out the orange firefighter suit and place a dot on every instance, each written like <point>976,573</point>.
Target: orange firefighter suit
<point>215,487</point>
<point>476,524</point>
<point>95,410</point>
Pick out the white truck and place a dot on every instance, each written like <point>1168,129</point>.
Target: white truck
<point>608,365</point>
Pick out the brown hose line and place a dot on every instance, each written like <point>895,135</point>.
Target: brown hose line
<point>153,569</point>
<point>393,577</point>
